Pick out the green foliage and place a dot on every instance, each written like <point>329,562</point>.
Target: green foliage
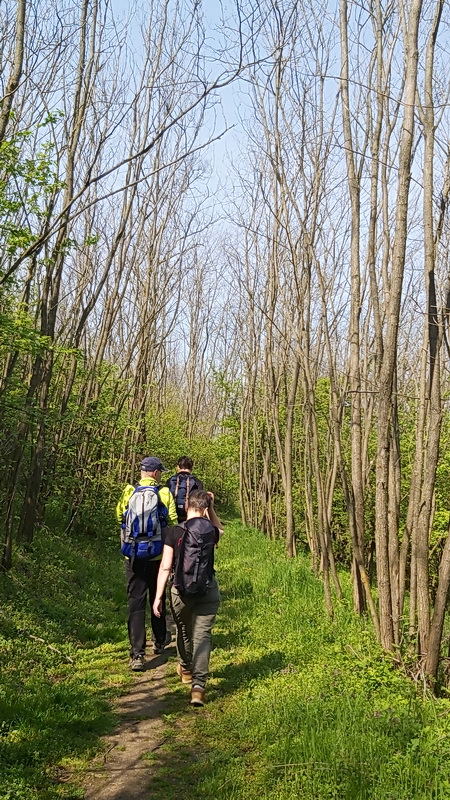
<point>442,515</point>
<point>25,183</point>
<point>16,325</point>
<point>63,655</point>
<point>300,706</point>
<point>229,392</point>
<point>215,459</point>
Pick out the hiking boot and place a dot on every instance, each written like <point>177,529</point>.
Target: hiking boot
<point>197,696</point>
<point>185,674</point>
<point>158,648</point>
<point>137,663</point>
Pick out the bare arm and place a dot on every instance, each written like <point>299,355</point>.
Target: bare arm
<point>212,516</point>
<point>163,576</point>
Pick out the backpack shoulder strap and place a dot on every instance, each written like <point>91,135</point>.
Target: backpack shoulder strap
<point>181,525</point>
<point>187,491</point>
<point>157,490</point>
<point>135,486</point>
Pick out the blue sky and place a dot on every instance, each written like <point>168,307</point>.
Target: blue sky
<point>225,115</point>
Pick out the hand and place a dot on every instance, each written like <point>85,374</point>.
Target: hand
<point>157,608</point>
<point>211,497</point>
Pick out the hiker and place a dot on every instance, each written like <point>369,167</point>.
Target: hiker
<point>182,484</point>
<point>195,598</point>
<point>144,511</point>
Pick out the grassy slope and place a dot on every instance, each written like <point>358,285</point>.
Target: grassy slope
<point>53,711</point>
<point>301,707</point>
<point>298,706</point>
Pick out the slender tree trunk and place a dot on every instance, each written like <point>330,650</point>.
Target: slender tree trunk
<point>16,70</point>
<point>357,487</point>
<point>290,409</point>
<point>388,364</point>
<point>440,605</point>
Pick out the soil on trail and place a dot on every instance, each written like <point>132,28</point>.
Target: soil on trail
<point>121,772</point>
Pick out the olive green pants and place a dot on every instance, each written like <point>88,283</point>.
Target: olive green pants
<point>194,617</point>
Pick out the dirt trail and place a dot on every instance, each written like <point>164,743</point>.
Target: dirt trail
<point>120,772</point>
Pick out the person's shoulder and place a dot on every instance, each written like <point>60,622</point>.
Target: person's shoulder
<point>210,527</point>
<point>172,535</point>
<point>164,493</point>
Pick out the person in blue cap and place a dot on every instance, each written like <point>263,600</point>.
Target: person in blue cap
<point>142,573</point>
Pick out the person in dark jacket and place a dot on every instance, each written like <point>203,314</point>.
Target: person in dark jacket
<point>194,614</point>
<point>182,484</point>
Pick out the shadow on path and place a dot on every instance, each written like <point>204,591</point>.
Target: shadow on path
<point>120,772</point>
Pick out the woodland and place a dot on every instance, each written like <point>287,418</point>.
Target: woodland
<point>224,231</point>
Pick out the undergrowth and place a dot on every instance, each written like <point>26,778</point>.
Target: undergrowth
<point>63,655</point>
<point>301,706</point>
<point>298,706</point>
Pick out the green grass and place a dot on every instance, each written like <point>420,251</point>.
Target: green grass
<point>55,694</point>
<point>298,706</point>
<point>301,707</point>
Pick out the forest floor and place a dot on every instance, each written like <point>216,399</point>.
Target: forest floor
<point>122,770</point>
<point>298,705</point>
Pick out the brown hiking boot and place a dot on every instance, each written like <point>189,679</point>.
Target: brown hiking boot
<point>185,675</point>
<point>197,696</point>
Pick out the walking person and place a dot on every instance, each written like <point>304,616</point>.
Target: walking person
<point>144,511</point>
<point>182,484</point>
<point>195,598</point>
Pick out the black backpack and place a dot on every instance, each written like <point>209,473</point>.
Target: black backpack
<point>181,485</point>
<point>194,566</point>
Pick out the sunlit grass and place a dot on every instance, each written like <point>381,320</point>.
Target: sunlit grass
<point>63,656</point>
<point>301,706</point>
<point>298,706</point>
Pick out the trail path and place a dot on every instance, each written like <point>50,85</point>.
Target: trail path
<point>121,772</point>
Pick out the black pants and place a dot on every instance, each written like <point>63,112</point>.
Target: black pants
<point>142,575</point>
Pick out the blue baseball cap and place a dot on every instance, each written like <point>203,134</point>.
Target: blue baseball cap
<point>150,464</point>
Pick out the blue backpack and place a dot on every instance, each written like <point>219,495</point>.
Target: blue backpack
<point>142,523</point>
<point>181,485</point>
